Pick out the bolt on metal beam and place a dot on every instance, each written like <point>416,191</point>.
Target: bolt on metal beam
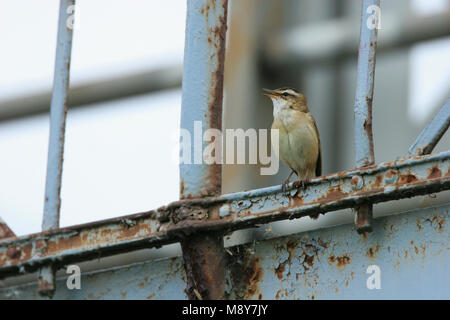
<point>385,181</point>
<point>202,93</point>
<point>364,151</point>
<point>431,135</point>
<point>58,111</point>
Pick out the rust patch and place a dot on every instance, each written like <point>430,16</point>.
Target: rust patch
<point>13,253</point>
<point>5,231</point>
<point>182,187</point>
<point>322,243</point>
<point>253,277</point>
<point>280,270</point>
<point>434,172</point>
<point>296,200</point>
<point>290,247</point>
<point>246,273</point>
<point>334,193</point>
<point>309,260</point>
<point>277,296</point>
<point>391,173</point>
<point>340,261</point>
<point>418,224</point>
<point>217,38</point>
<point>354,181</point>
<point>378,180</point>
<point>441,225</point>
<point>371,252</point>
<point>407,178</point>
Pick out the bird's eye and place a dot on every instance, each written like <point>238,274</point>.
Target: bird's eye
<point>285,94</point>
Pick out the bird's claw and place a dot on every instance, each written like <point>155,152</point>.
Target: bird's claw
<point>284,185</point>
<point>301,184</point>
<point>286,182</point>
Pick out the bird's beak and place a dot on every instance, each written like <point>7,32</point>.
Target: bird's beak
<point>270,93</point>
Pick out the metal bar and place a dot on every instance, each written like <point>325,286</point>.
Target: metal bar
<point>379,183</point>
<point>431,135</point>
<point>364,153</point>
<point>5,231</point>
<point>319,43</point>
<point>58,110</point>
<point>84,94</point>
<point>204,57</point>
<point>326,263</point>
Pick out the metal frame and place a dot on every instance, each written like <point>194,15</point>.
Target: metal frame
<point>364,153</point>
<point>58,111</point>
<point>200,219</point>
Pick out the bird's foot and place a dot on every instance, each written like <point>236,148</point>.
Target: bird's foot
<point>286,182</point>
<point>301,183</point>
<point>284,185</point>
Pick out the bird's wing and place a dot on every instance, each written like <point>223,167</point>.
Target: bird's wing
<point>319,157</point>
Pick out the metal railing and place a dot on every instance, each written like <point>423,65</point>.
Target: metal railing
<point>200,219</point>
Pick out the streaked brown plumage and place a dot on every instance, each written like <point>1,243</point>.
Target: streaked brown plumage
<point>299,141</point>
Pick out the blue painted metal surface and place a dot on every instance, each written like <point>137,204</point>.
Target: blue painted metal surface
<point>58,110</point>
<point>411,250</point>
<point>364,152</point>
<point>201,109</point>
<point>201,106</point>
<point>431,135</point>
<point>386,181</point>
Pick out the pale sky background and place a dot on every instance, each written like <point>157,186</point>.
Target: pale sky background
<point>119,155</point>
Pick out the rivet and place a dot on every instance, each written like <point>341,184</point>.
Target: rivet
<point>357,182</point>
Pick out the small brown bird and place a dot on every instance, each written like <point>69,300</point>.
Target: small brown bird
<point>299,141</point>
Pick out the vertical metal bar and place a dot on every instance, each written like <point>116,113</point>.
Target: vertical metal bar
<point>364,152</point>
<point>58,110</point>
<point>431,135</point>
<point>202,95</point>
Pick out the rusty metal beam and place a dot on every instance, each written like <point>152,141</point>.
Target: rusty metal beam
<point>379,183</point>
<point>364,152</point>
<point>328,263</point>
<point>431,135</point>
